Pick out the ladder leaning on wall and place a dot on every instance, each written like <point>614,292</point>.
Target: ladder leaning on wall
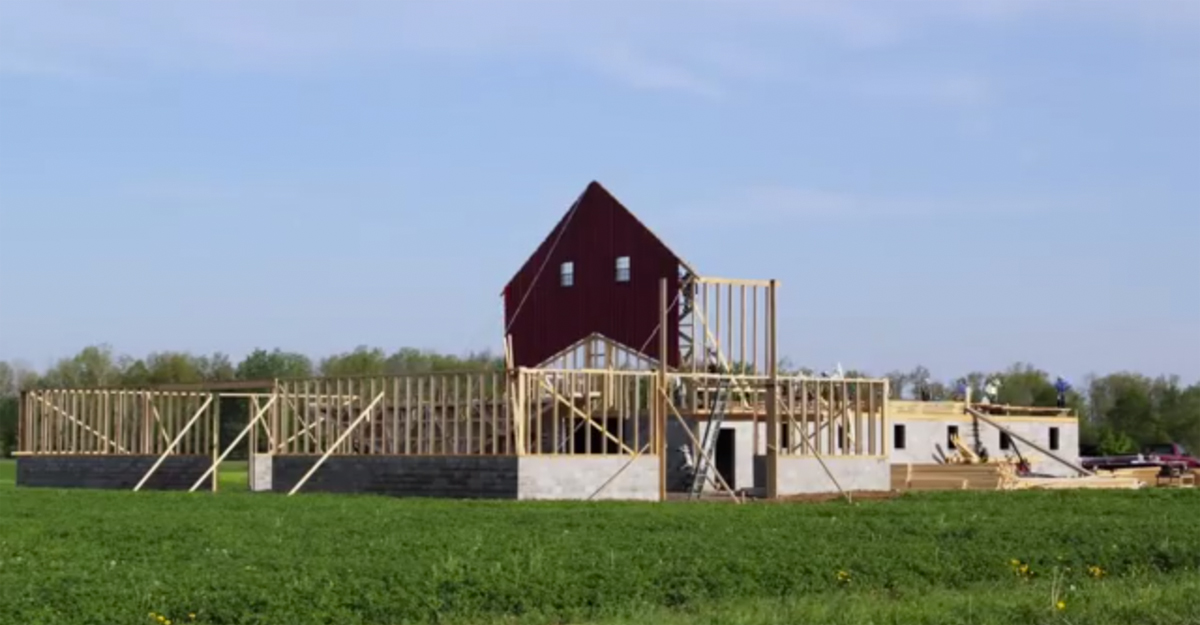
<point>709,442</point>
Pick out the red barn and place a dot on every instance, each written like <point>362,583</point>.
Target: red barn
<point>598,271</point>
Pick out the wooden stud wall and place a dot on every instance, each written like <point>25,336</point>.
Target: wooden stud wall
<point>427,414</point>
<point>118,422</point>
<point>729,324</point>
<point>831,417</point>
<point>587,412</point>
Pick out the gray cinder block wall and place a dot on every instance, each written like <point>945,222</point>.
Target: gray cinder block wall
<point>118,472</point>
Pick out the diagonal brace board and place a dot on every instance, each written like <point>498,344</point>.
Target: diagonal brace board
<point>366,413</point>
<point>175,443</point>
<point>257,417</point>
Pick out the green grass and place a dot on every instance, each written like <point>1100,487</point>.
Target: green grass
<point>236,557</point>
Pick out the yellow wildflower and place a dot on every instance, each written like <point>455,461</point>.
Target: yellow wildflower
<point>1061,605</point>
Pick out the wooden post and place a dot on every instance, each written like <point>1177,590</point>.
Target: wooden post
<point>772,403</point>
<point>216,442</point>
<point>660,418</point>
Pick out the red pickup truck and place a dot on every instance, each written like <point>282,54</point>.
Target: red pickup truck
<point>1172,453</point>
<point>1155,455</point>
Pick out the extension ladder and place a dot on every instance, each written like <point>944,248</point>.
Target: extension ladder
<point>709,443</point>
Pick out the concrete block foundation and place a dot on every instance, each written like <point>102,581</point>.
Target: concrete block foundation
<point>111,472</point>
<point>579,477</point>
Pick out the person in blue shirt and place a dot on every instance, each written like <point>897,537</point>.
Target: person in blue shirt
<point>1062,387</point>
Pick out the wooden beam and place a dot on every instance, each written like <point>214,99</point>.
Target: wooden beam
<point>772,397</point>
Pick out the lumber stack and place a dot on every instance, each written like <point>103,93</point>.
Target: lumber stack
<point>946,477</point>
<point>1092,481</point>
<point>1148,475</point>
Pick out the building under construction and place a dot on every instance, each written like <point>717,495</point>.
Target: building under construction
<point>629,375</point>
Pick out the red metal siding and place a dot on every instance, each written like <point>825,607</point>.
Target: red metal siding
<point>552,317</point>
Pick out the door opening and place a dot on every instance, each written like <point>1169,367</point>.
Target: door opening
<point>726,455</point>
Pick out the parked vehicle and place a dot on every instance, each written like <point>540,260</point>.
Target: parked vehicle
<point>1164,454</point>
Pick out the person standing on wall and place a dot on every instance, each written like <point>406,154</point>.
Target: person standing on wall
<point>1062,387</point>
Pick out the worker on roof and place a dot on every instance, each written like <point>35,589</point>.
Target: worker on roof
<point>1062,387</point>
<point>924,389</point>
<point>960,389</point>
<point>991,391</point>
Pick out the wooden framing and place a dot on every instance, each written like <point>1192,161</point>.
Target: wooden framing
<point>111,422</point>
<point>832,417</point>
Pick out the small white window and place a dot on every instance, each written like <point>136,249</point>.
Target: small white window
<point>622,269</point>
<point>566,274</point>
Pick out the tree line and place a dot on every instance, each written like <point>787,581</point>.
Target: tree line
<point>1119,412</point>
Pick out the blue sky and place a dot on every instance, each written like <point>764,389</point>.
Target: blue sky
<point>959,184</point>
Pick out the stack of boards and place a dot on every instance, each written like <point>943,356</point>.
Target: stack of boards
<point>923,477</point>
<point>946,477</point>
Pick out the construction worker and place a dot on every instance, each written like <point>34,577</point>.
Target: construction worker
<point>991,391</point>
<point>960,389</point>
<point>1062,387</point>
<point>923,389</point>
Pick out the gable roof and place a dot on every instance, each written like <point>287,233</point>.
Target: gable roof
<point>594,198</point>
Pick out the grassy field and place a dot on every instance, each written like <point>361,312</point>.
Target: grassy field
<point>236,557</point>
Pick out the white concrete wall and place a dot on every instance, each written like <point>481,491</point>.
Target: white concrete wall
<point>260,472</point>
<point>923,438</point>
<point>578,477</point>
<point>801,475</point>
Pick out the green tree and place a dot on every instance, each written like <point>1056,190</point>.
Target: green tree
<point>94,366</point>
<point>1025,385</point>
<point>261,364</point>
